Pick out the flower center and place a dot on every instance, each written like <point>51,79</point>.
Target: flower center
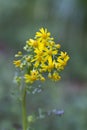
<point>44,36</point>
<point>50,52</point>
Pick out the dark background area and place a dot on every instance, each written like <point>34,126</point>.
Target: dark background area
<point>67,22</point>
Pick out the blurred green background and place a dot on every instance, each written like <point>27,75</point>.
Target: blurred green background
<point>67,22</point>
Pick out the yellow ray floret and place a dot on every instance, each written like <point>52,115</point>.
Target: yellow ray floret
<point>17,63</point>
<point>48,66</point>
<point>43,34</point>
<point>30,78</point>
<point>32,43</point>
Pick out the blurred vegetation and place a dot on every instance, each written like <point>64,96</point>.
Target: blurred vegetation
<point>67,22</point>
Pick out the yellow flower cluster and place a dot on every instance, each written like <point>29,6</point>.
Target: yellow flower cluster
<point>43,58</point>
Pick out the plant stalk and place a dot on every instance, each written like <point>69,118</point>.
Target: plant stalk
<point>24,113</point>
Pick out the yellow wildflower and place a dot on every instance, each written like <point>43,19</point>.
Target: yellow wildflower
<point>43,34</point>
<point>39,55</point>
<point>66,58</point>
<point>30,78</point>
<point>61,61</point>
<point>32,43</point>
<point>56,76</point>
<point>63,55</point>
<point>42,78</point>
<point>43,57</point>
<point>58,46</point>
<point>38,59</point>
<point>17,63</point>
<point>50,52</point>
<point>49,65</point>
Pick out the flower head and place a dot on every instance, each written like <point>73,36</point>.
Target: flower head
<point>43,34</point>
<point>43,58</point>
<point>17,63</point>
<point>33,76</point>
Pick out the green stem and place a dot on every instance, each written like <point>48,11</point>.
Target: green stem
<point>24,113</point>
